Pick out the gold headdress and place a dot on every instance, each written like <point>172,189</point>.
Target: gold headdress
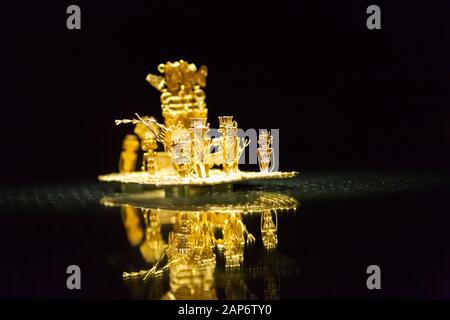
<point>182,97</point>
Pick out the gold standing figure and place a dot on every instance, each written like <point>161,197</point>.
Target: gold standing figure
<point>264,150</point>
<point>201,144</point>
<point>229,144</point>
<point>128,156</point>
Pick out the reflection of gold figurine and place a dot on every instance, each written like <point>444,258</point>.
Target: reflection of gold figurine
<point>154,246</point>
<point>234,239</point>
<point>128,156</point>
<point>190,282</point>
<point>269,229</point>
<point>182,231</point>
<point>203,240</point>
<point>131,221</point>
<point>189,257</point>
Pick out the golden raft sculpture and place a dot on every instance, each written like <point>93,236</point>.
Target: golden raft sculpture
<point>188,158</point>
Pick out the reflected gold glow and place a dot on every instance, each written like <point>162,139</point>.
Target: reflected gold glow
<point>199,235</point>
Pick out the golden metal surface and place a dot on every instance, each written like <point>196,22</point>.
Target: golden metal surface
<point>216,177</point>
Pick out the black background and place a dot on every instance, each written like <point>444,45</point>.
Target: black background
<point>343,96</point>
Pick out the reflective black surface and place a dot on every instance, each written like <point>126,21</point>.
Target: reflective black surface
<point>346,222</point>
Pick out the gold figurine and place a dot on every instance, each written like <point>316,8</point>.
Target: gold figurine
<point>149,146</point>
<point>181,150</point>
<point>264,150</point>
<point>154,246</point>
<point>201,144</point>
<point>190,157</point>
<point>128,156</point>
<point>182,96</point>
<point>235,236</point>
<point>230,144</point>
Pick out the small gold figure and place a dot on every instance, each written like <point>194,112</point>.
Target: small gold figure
<point>149,158</point>
<point>234,232</point>
<point>229,144</point>
<point>148,145</point>
<point>128,156</point>
<point>181,149</point>
<point>191,261</point>
<point>264,150</point>
<point>201,144</point>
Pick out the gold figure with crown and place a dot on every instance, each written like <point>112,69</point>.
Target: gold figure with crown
<point>182,96</point>
<point>190,153</point>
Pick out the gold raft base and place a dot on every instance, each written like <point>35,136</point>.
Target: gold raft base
<point>217,177</point>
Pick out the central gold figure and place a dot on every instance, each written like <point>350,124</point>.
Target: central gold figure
<point>184,134</point>
<point>182,96</point>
